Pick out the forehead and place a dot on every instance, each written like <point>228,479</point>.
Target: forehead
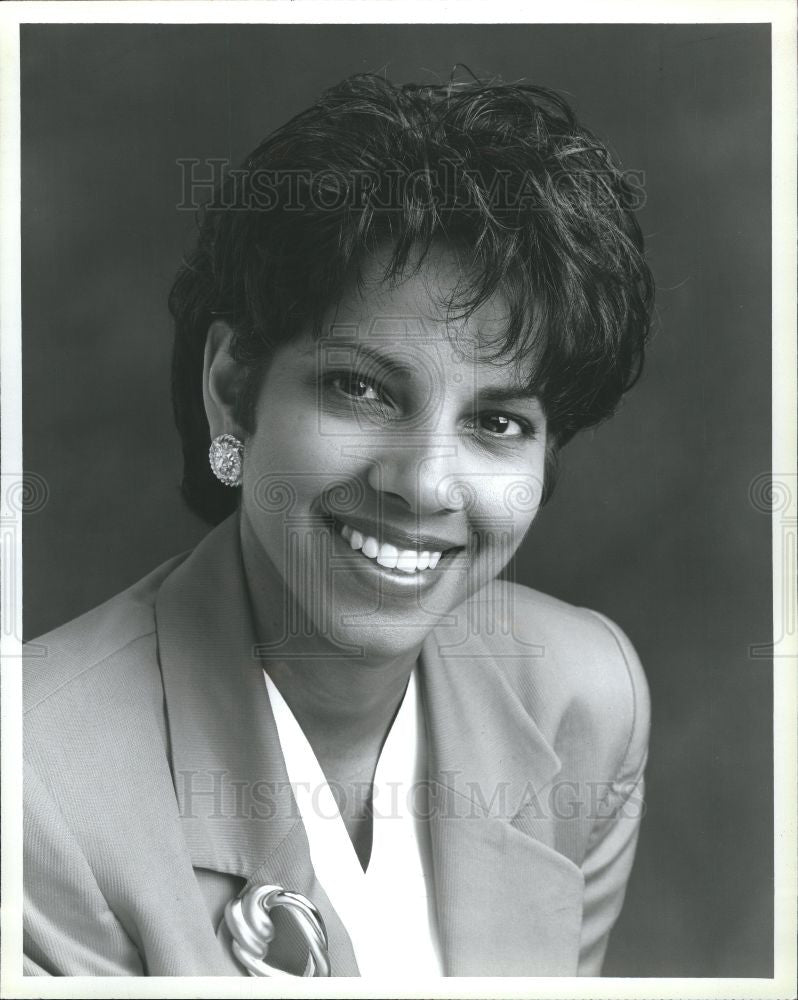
<point>422,311</point>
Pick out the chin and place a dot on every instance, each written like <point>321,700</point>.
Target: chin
<point>375,635</point>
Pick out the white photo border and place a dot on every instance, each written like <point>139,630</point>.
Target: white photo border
<point>781,14</point>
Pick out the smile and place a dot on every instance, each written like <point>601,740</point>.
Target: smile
<point>390,556</point>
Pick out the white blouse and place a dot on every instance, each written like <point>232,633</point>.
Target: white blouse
<point>388,909</point>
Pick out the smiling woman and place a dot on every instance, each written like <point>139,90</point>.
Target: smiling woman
<point>347,744</point>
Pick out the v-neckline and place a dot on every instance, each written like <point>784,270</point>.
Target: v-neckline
<point>303,767</point>
<point>396,869</point>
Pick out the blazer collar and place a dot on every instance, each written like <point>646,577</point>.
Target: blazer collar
<point>496,883</point>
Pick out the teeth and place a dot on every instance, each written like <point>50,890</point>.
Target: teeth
<point>407,562</point>
<point>387,555</point>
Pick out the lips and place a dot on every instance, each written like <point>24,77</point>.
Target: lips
<point>393,534</point>
<point>395,550</point>
<point>389,556</point>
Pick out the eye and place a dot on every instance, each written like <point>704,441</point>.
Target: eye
<point>355,386</point>
<point>503,426</point>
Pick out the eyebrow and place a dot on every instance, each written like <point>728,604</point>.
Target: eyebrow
<point>354,351</point>
<point>500,394</point>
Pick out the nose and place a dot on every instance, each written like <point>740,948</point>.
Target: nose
<point>423,475</point>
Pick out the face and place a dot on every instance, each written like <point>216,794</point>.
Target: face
<point>394,468</point>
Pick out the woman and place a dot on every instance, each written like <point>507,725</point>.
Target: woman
<point>330,741</point>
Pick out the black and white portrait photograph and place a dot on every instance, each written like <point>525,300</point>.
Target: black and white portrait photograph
<point>399,499</point>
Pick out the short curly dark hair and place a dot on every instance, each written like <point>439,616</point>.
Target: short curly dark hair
<point>504,172</point>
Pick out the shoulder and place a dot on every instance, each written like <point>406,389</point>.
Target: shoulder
<point>73,657</point>
<point>95,731</point>
<point>584,642</point>
<point>585,645</point>
<point>573,668</point>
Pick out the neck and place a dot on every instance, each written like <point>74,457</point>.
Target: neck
<point>345,705</point>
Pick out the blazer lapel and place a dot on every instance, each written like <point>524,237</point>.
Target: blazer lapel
<point>238,814</point>
<point>508,904</point>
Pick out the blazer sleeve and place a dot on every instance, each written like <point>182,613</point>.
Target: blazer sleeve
<point>68,927</point>
<point>613,840</point>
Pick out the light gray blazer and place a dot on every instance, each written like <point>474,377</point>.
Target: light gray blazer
<point>155,788</point>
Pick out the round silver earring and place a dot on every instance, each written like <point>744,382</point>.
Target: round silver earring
<point>226,456</point>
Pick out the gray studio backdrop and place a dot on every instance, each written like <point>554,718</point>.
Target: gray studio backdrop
<point>653,521</point>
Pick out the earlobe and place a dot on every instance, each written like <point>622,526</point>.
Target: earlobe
<point>221,381</point>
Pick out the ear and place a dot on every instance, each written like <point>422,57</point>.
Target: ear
<point>221,381</point>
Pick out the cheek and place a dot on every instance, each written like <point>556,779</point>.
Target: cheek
<point>512,495</point>
<point>289,460</point>
<point>289,436</point>
<point>505,507</point>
